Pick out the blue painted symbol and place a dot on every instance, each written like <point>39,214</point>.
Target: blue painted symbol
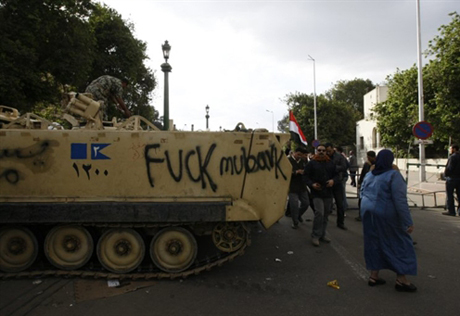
<point>422,130</point>
<point>96,151</point>
<point>78,151</point>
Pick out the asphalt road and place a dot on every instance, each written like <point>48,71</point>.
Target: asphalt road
<point>280,274</point>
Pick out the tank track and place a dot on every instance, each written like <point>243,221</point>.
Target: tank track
<point>143,273</point>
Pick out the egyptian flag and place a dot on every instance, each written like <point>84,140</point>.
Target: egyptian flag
<point>296,132</point>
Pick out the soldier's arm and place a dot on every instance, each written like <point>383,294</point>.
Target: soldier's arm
<point>122,106</point>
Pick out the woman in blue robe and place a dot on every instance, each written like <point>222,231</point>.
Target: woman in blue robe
<point>387,224</point>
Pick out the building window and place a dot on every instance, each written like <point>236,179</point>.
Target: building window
<point>361,143</point>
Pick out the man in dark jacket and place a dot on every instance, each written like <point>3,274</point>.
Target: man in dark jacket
<point>340,163</point>
<point>297,188</point>
<point>353,162</point>
<point>452,174</point>
<point>320,175</point>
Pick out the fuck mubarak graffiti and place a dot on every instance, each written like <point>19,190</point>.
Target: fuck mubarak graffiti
<point>194,164</point>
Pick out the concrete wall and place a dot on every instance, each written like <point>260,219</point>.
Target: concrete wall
<point>402,164</point>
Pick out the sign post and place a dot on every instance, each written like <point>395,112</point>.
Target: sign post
<point>422,130</point>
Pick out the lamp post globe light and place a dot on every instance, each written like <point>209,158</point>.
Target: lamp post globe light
<point>166,68</point>
<point>207,117</point>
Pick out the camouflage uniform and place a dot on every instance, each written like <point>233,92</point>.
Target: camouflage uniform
<point>103,88</point>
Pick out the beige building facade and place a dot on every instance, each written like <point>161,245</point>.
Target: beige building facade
<point>367,134</point>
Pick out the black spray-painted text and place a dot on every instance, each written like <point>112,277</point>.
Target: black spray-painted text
<point>198,159</point>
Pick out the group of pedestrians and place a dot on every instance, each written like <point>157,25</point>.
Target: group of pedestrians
<point>325,174</point>
<point>384,211</point>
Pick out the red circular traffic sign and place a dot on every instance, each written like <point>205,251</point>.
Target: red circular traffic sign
<point>422,130</point>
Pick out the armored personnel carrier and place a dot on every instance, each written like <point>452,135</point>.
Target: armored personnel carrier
<point>130,200</point>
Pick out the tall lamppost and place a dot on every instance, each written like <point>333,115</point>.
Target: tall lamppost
<point>422,174</point>
<point>166,68</point>
<point>314,96</point>
<point>273,120</point>
<point>207,117</point>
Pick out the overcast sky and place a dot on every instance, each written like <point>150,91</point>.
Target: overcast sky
<point>243,57</point>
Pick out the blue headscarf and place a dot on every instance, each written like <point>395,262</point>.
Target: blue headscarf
<point>384,162</point>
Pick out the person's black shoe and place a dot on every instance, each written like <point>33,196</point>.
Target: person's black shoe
<point>448,213</point>
<point>374,282</point>
<point>342,226</point>
<point>358,219</point>
<point>295,225</point>
<point>401,287</point>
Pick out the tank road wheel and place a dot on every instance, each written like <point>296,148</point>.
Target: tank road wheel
<point>229,237</point>
<point>68,247</point>
<point>18,249</point>
<point>120,250</point>
<point>173,249</point>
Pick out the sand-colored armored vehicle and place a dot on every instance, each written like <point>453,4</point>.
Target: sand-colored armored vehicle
<point>129,200</point>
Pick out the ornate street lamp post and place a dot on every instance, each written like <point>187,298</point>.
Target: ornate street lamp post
<point>166,68</point>
<point>207,117</point>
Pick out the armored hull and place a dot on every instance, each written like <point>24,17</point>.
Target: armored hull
<point>133,202</point>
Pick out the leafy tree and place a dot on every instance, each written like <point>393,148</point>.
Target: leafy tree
<point>302,105</point>
<point>336,120</point>
<point>444,74</point>
<point>351,92</point>
<point>441,77</point>
<point>49,47</point>
<point>120,54</point>
<point>398,114</point>
<point>43,45</point>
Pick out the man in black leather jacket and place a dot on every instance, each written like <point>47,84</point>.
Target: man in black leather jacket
<point>340,163</point>
<point>452,174</point>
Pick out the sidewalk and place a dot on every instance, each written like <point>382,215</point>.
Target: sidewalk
<point>429,194</point>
